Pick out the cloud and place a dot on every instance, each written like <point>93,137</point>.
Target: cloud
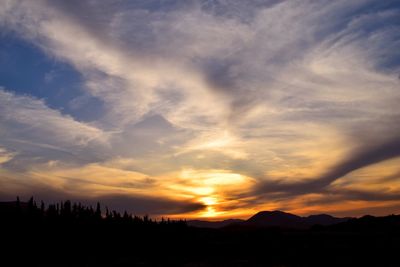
<point>37,133</point>
<point>5,155</point>
<point>295,95</point>
<point>151,205</point>
<point>364,157</point>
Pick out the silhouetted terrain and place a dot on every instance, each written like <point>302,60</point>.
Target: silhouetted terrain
<point>273,219</point>
<point>214,224</point>
<point>68,234</point>
<point>287,220</point>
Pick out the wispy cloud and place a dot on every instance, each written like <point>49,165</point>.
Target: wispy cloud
<point>295,95</point>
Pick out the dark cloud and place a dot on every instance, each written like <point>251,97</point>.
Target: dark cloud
<point>339,195</point>
<point>362,158</point>
<point>138,205</point>
<point>359,159</point>
<point>150,205</point>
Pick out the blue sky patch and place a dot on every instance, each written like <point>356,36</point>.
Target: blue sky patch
<point>25,69</point>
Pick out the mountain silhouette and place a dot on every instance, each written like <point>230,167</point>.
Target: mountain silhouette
<point>324,219</point>
<point>276,219</point>
<point>273,219</point>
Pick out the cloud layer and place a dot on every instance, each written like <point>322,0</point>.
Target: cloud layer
<point>285,100</point>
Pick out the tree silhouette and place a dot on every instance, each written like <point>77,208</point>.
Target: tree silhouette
<point>73,234</point>
<point>98,210</point>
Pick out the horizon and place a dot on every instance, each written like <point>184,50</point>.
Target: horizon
<point>202,109</point>
<point>103,209</point>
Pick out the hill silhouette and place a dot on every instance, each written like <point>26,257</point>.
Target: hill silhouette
<point>273,219</point>
<point>324,219</point>
<point>276,218</point>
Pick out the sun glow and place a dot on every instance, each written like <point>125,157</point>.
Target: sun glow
<point>211,188</point>
<point>209,201</point>
<point>210,212</point>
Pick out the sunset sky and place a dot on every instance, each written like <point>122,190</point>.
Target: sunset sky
<point>202,109</point>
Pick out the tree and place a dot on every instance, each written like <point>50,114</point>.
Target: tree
<point>98,210</point>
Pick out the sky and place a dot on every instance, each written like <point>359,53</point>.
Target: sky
<point>202,109</point>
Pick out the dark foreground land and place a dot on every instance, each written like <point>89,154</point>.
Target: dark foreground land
<point>73,235</point>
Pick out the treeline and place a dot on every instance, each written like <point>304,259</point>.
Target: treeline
<point>72,234</point>
<point>73,213</point>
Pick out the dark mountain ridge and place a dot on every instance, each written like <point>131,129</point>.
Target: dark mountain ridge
<point>274,218</point>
